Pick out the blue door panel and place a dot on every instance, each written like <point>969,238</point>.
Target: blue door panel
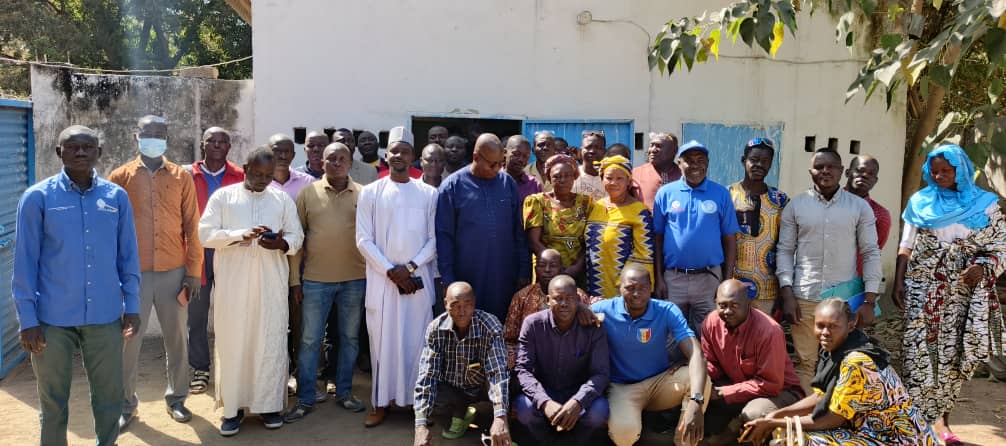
<point>726,147</point>
<point>17,150</point>
<point>615,130</point>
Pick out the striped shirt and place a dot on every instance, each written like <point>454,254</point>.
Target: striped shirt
<point>467,364</point>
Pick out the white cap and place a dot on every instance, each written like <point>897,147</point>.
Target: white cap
<point>400,134</point>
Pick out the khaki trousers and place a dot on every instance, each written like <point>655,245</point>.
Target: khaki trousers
<point>660,392</point>
<point>806,344</point>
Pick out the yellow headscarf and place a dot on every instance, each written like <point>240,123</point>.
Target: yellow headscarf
<point>618,162</point>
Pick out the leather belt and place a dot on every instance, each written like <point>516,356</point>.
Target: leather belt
<point>705,270</point>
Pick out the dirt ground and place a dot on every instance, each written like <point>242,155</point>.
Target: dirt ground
<point>980,418</point>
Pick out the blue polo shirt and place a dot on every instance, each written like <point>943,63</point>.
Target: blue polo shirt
<point>693,222</point>
<point>640,347</point>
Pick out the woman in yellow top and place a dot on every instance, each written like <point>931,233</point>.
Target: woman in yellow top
<point>619,230</point>
<point>858,399</point>
<point>556,219</point>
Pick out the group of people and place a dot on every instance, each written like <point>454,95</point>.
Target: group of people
<point>572,293</point>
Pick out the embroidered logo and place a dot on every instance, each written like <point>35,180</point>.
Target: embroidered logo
<point>708,206</point>
<point>105,207</point>
<point>676,206</point>
<point>644,335</point>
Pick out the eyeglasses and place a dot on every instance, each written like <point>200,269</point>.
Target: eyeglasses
<point>760,142</point>
<point>587,133</point>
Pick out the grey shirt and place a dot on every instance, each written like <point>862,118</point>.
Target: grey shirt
<point>362,173</point>
<point>818,242</point>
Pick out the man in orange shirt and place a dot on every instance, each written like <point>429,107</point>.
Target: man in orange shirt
<point>660,168</point>
<point>166,216</point>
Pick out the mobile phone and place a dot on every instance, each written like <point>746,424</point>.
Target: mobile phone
<point>417,280</point>
<point>269,235</point>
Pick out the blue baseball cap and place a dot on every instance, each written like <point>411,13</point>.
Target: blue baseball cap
<point>689,146</point>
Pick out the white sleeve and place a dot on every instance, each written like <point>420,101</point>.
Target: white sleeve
<point>908,236</point>
<point>365,230</point>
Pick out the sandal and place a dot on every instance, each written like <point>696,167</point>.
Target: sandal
<point>949,439</point>
<point>200,380</point>
<point>459,426</point>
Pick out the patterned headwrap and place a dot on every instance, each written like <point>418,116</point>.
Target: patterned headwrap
<point>617,161</point>
<point>556,160</point>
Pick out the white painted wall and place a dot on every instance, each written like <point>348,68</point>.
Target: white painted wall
<point>375,64</point>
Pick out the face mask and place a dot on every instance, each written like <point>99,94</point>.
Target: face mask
<point>153,147</point>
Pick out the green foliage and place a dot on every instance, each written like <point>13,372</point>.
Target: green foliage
<point>959,45</point>
<point>124,34</point>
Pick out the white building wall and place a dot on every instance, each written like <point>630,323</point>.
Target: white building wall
<point>375,64</point>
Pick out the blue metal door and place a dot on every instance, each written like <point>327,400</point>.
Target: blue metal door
<point>726,147</point>
<point>615,130</point>
<point>17,150</point>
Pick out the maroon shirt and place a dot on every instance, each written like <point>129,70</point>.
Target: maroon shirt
<point>752,357</point>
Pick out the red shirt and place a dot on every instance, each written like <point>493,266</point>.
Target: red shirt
<point>382,171</point>
<point>649,181</point>
<point>883,229</point>
<point>752,357</point>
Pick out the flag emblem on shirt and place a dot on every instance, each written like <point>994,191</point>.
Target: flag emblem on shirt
<point>644,335</point>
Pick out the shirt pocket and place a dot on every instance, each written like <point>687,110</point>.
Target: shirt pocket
<point>748,367</point>
<point>473,371</point>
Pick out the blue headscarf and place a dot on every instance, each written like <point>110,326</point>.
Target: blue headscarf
<point>934,207</point>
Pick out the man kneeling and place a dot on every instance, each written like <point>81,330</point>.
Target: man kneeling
<point>563,368</point>
<point>641,333</point>
<point>463,362</point>
<point>747,362</point>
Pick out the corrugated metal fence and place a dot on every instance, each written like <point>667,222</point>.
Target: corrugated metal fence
<point>17,155</point>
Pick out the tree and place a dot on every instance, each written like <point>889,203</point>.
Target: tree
<point>924,46</point>
<point>123,35</point>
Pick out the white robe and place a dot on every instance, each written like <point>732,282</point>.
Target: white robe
<point>250,296</point>
<point>395,225</point>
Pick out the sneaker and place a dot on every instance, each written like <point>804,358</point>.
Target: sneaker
<point>299,411</point>
<point>351,403</point>
<point>231,426</point>
<point>271,420</point>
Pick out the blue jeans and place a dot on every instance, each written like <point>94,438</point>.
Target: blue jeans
<point>318,300</point>
<point>101,349</point>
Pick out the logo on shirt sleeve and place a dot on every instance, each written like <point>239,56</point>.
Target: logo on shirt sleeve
<point>644,335</point>
<point>708,206</point>
<point>105,207</point>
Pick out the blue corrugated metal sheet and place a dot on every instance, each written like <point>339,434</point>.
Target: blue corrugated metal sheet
<point>615,130</point>
<point>726,147</point>
<point>16,151</point>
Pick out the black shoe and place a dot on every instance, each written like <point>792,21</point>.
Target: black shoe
<point>299,411</point>
<point>179,413</point>
<point>271,420</point>
<point>231,426</point>
<point>124,420</point>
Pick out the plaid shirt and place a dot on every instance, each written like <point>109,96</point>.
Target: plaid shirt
<point>466,364</point>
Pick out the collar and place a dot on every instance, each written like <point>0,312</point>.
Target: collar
<point>686,187</point>
<point>522,179</point>
<point>350,187</point>
<point>310,171</point>
<point>551,322</point>
<point>68,184</point>
<point>202,167</point>
<point>834,198</point>
<point>583,172</point>
<point>742,328</point>
<point>475,331</point>
<point>620,308</point>
<point>164,163</point>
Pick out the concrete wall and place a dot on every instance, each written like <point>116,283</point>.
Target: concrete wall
<point>112,104</point>
<point>388,60</point>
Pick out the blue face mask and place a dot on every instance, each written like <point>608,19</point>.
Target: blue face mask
<point>153,147</point>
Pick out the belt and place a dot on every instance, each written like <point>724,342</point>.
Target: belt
<point>706,270</point>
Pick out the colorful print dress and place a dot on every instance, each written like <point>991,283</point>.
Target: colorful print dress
<point>562,229</point>
<point>951,328</point>
<point>756,252</point>
<point>616,236</point>
<point>879,409</point>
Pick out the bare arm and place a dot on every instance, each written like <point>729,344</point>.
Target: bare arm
<point>729,256</point>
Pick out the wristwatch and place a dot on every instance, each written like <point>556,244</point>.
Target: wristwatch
<point>697,397</point>
<point>412,267</point>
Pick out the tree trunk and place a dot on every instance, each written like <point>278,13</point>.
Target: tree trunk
<point>915,158</point>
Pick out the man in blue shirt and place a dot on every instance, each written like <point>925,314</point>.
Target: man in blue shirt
<point>642,333</point>
<point>695,236</point>
<point>76,285</point>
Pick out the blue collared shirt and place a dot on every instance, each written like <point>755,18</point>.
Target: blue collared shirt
<point>76,261</point>
<point>642,345</point>
<point>694,221</point>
